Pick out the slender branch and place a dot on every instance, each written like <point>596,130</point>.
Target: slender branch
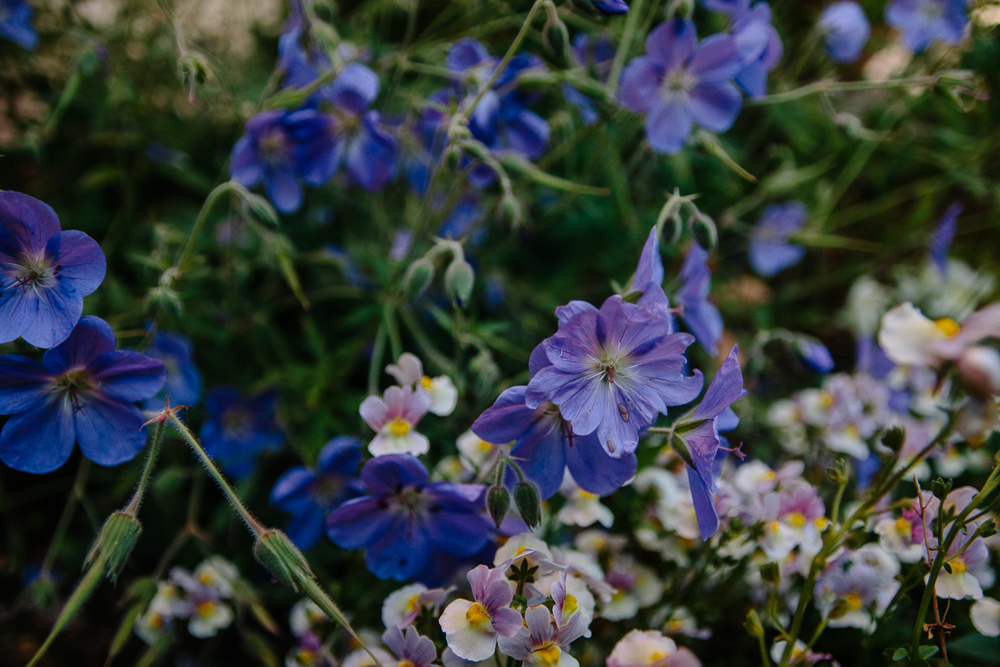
<point>625,45</point>
<point>154,449</point>
<point>831,86</point>
<point>185,259</point>
<point>67,514</point>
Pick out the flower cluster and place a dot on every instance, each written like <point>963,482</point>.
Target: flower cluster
<point>199,597</point>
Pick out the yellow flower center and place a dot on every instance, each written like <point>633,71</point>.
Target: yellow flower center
<point>851,431</point>
<point>821,522</point>
<point>476,616</point>
<point>775,527</point>
<point>655,657</point>
<point>672,626</point>
<point>411,604</point>
<point>587,495</point>
<point>569,606</point>
<point>205,578</point>
<point>305,656</point>
<point>548,656</point>
<point>902,526</point>
<point>769,475</point>
<point>853,602</point>
<point>485,446</point>
<point>156,621</point>
<point>826,399</point>
<point>797,520</point>
<point>405,663</point>
<point>948,326</point>
<point>957,567</point>
<point>206,608</point>
<point>399,427</point>
<point>425,382</point>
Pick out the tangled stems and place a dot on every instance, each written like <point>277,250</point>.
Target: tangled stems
<point>834,540</point>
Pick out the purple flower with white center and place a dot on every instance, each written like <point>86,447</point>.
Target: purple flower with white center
<point>310,493</point>
<point>770,251</point>
<point>82,391</point>
<point>394,417</point>
<point>703,442</point>
<point>183,384</point>
<point>846,30</point>
<point>44,272</point>
<point>472,628</point>
<point>545,444</point>
<point>680,83</point>
<point>859,589</point>
<point>614,369</point>
<point>15,23</point>
<point>699,314</point>
<point>404,522</point>
<point>239,429</point>
<point>413,650</point>
<point>597,59</point>
<point>540,642</point>
<point>759,45</point>
<point>924,22</point>
<point>943,235</point>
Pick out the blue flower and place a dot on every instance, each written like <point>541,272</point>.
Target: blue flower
<point>846,29</point>
<point>44,272</point>
<point>699,314</point>
<point>770,251</point>
<point>611,7</point>
<point>82,391</point>
<point>596,57</point>
<point>238,429</point>
<point>15,23</point>
<point>545,444</point>
<point>183,384</point>
<point>813,354</point>
<point>943,236</point>
<point>703,443</point>
<point>404,522</point>
<point>924,22</point>
<point>309,494</point>
<point>680,82</point>
<point>759,45</point>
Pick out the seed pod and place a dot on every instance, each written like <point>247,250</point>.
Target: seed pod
<point>753,624</point>
<point>458,281</point>
<point>528,502</point>
<point>114,543</point>
<point>418,278</point>
<point>498,502</point>
<point>282,558</point>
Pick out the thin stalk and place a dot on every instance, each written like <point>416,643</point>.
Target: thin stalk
<point>154,449</point>
<point>73,604</point>
<point>625,44</point>
<point>831,86</point>
<point>199,223</point>
<point>67,515</point>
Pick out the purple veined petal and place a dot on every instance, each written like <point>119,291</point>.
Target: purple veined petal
<point>593,470</point>
<point>244,167</point>
<point>703,444</point>
<point>579,319</point>
<point>539,359</point>
<point>569,355</point>
<point>623,414</point>
<point>479,579</point>
<point>457,533</point>
<point>375,412</point>
<point>727,420</point>
<point>704,505</point>
<point>109,431</point>
<point>355,88</point>
<point>401,551</point>
<point>650,267</point>
<point>23,383</point>
<point>539,622</point>
<point>518,645</point>
<point>291,491</point>
<point>769,259</point>
<point>669,124</point>
<point>358,522</point>
<point>640,85</point>
<point>128,376</point>
<point>505,623</point>
<point>716,59</point>
<point>283,188</point>
<point>383,474</point>
<point>17,312</point>
<point>724,390</point>
<point>705,322</point>
<point>40,439</point>
<point>752,39</point>
<point>45,316</point>
<point>91,338</point>
<point>80,258</point>
<point>753,79</point>
<point>506,420</point>
<point>655,300</point>
<point>671,43</point>
<point>716,106</point>
<point>341,455</point>
<point>527,133</point>
<point>541,454</point>
<point>26,224</point>
<point>577,397</point>
<point>371,155</point>
<point>465,54</point>
<point>627,327</point>
<point>393,639</point>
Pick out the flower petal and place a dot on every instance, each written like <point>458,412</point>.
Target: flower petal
<point>40,439</point>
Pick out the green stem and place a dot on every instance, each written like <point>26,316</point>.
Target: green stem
<point>133,507</point>
<point>831,86</point>
<point>378,351</point>
<point>625,45</point>
<point>67,515</point>
<point>199,223</point>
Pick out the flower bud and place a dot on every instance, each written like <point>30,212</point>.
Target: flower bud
<point>771,573</point>
<point>458,281</point>
<point>497,502</point>
<point>894,438</point>
<point>529,504</point>
<point>282,558</point>
<point>979,367</point>
<point>837,474</point>
<point>753,624</point>
<point>114,543</point>
<point>941,488</point>
<point>418,278</point>
<point>262,209</point>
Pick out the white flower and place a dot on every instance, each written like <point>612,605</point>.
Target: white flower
<point>208,617</point>
<point>166,605</point>
<point>907,336</point>
<point>409,371</point>
<point>472,627</point>
<point>394,416</point>
<point>582,508</point>
<point>636,586</point>
<point>218,573</point>
<point>304,616</point>
<point>896,536</point>
<point>639,648</point>
<point>986,617</point>
<point>402,606</point>
<point>866,301</point>
<point>360,657</point>
<point>474,449</point>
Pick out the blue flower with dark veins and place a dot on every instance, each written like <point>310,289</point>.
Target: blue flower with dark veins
<point>699,314</point>
<point>759,45</point>
<point>237,429</point>
<point>183,384</point>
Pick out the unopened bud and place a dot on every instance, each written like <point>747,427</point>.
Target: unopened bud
<point>979,367</point>
<point>519,602</point>
<point>703,228</point>
<point>458,281</point>
<point>770,572</point>
<point>511,209</point>
<point>894,438</point>
<point>753,624</point>
<point>555,32</point>
<point>418,277</point>
<point>529,503</point>
<point>988,529</point>
<point>941,488</point>
<point>498,502</point>
<point>282,558</point>
<point>837,474</point>
<point>114,543</point>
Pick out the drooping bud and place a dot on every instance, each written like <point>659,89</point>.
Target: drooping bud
<point>418,278</point>
<point>771,573</point>
<point>528,502</point>
<point>114,543</point>
<point>511,209</point>
<point>498,502</point>
<point>282,558</point>
<point>753,624</point>
<point>894,438</point>
<point>458,281</point>
<point>703,228</point>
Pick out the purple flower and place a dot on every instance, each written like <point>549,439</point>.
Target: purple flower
<point>540,641</point>
<point>814,354</point>
<point>699,314</point>
<point>846,29</point>
<point>597,58</point>
<point>770,251</point>
<point>759,45</point>
<point>681,82</point>
<point>15,23</point>
<point>82,391</point>
<point>238,429</point>
<point>924,22</point>
<point>413,650</point>
<point>183,384</point>
<point>472,628</point>
<point>310,493</point>
<point>702,442</point>
<point>943,236</point>
<point>404,522</point>
<point>614,369</point>
<point>610,7</point>
<point>650,267</point>
<point>44,272</point>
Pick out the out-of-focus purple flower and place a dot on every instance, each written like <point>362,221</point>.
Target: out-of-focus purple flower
<point>603,8</point>
<point>404,521</point>
<point>846,30</point>
<point>82,391</point>
<point>596,57</point>
<point>310,493</point>
<point>15,23</point>
<point>44,272</point>
<point>712,416</point>
<point>770,251</point>
<point>680,83</point>
<point>413,649</point>
<point>352,272</point>
<point>734,8</point>
<point>943,236</point>
<point>813,353</point>
<point>615,368</point>
<point>924,22</point>
<point>699,314</point>
<point>402,240</point>
<point>183,384</point>
<point>239,429</point>
<point>650,266</point>
<point>168,156</point>
<point>463,218</point>
<point>759,45</point>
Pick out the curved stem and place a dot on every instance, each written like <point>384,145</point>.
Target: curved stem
<point>154,449</point>
<point>199,223</point>
<point>830,86</point>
